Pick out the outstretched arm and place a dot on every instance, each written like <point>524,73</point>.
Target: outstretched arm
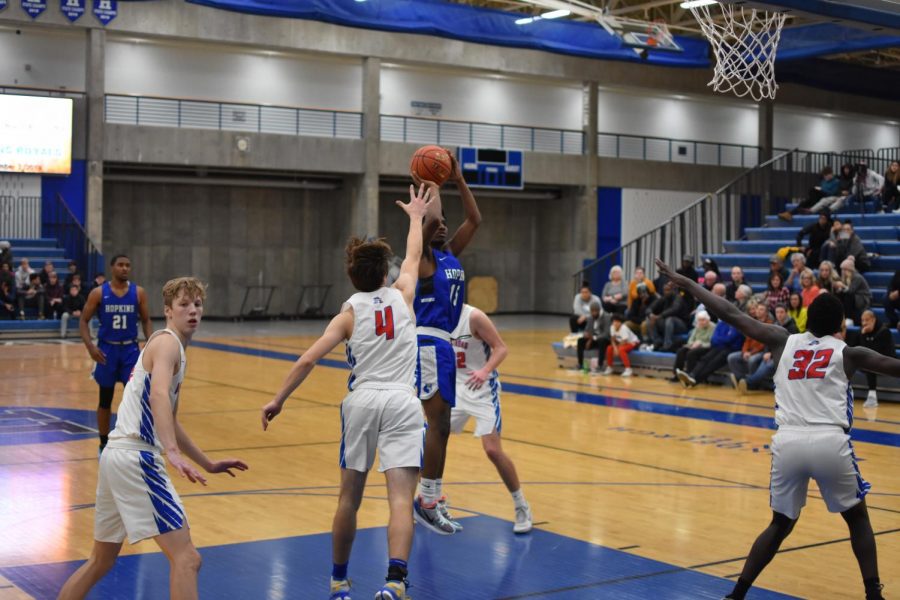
<point>866,359</point>
<point>419,204</point>
<point>340,329</point>
<point>484,330</point>
<point>466,231</point>
<point>773,336</point>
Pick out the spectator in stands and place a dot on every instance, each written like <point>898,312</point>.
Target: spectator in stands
<point>745,361</point>
<point>73,270</point>
<point>7,275</point>
<point>828,248</point>
<point>7,300</point>
<point>639,277</point>
<point>621,341</point>
<point>615,292</point>
<point>776,265</point>
<point>742,297</point>
<point>783,317</point>
<point>827,277</point>
<point>867,185</point>
<point>877,337</point>
<point>710,278</point>
<point>596,334</point>
<point>581,307</point>
<point>32,296</point>
<point>849,244</point>
<point>46,270</point>
<point>725,340</point>
<point>892,301</point>
<point>818,233</point>
<point>776,293</point>
<point>99,280</point>
<point>53,291</point>
<point>828,188</point>
<point>687,268</point>
<point>636,317</point>
<point>737,279</point>
<point>846,180</point>
<point>76,281</point>
<point>73,304</point>
<point>697,345</point>
<point>719,290</point>
<point>798,264</point>
<point>6,255</point>
<point>668,317</point>
<point>761,378</point>
<point>853,290</point>
<point>711,265</point>
<point>808,288</point>
<point>890,193</point>
<point>797,310</point>
<point>23,275</point>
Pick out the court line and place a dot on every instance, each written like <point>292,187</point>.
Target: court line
<point>728,418</point>
<point>260,391</point>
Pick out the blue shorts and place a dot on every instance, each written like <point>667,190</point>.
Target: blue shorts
<point>436,369</point>
<point>120,361</point>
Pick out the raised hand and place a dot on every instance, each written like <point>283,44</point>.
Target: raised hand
<point>676,278</point>
<point>455,171</point>
<point>418,203</point>
<point>225,466</point>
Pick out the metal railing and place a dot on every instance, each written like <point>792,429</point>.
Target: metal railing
<point>420,130</point>
<point>232,116</point>
<point>20,217</point>
<point>60,223</point>
<point>637,147</point>
<point>707,223</point>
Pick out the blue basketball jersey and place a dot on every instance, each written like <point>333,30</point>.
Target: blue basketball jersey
<point>439,298</point>
<point>118,316</point>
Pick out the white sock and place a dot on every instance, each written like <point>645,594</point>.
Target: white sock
<point>438,491</point>
<point>519,498</point>
<point>428,488</point>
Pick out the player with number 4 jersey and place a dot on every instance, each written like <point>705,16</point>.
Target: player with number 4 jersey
<point>814,414</point>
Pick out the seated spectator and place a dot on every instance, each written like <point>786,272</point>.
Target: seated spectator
<point>581,307</point>
<point>853,290</point>
<point>636,317</point>
<point>98,281</point>
<point>6,255</point>
<point>73,304</point>
<point>615,292</point>
<point>45,272</point>
<point>775,293</point>
<point>32,296</point>
<point>7,300</point>
<point>76,281</point>
<point>73,270</point>
<point>718,290</point>
<point>687,268</point>
<point>828,248</point>
<point>846,180</point>
<point>737,279</point>
<point>742,297</point>
<point>53,291</point>
<point>819,232</point>
<point>697,345</point>
<point>725,340</point>
<point>783,317</point>
<point>867,185</point>
<point>639,277</point>
<point>892,300</point>
<point>668,317</point>
<point>7,275</point>
<point>761,378</point>
<point>798,264</point>
<point>621,341</point>
<point>711,265</point>
<point>808,288</point>
<point>797,310</point>
<point>776,265</point>
<point>877,337</point>
<point>596,334</point>
<point>849,244</point>
<point>745,361</point>
<point>827,277</point>
<point>890,193</point>
<point>23,275</point>
<point>710,278</point>
<point>825,195</point>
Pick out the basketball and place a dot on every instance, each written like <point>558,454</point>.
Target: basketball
<point>431,163</point>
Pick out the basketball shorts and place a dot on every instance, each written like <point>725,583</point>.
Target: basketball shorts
<point>436,369</point>
<point>120,361</point>
<point>482,404</point>
<point>821,453</point>
<point>135,498</point>
<point>389,420</point>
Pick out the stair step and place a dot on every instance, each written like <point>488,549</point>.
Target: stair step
<point>886,247</point>
<point>32,242</point>
<point>789,232</point>
<point>38,251</point>
<point>882,263</point>
<point>856,218</point>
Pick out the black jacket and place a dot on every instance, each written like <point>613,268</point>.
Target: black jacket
<point>672,306</point>
<point>818,235</point>
<point>879,340</point>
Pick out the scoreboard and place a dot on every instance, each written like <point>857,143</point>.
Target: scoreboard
<point>492,168</point>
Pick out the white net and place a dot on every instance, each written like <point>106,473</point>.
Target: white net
<point>744,43</point>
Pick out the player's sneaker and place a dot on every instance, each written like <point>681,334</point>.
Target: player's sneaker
<point>431,517</point>
<point>445,512</point>
<point>523,519</point>
<point>607,371</point>
<point>340,589</point>
<point>871,400</point>
<point>627,372</point>
<point>392,590</point>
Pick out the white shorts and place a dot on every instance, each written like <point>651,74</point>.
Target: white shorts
<point>483,404</point>
<point>389,420</point>
<point>135,497</point>
<point>822,453</point>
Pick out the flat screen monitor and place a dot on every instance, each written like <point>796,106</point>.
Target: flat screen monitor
<point>35,135</point>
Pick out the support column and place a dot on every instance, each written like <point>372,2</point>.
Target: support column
<point>95,79</point>
<point>586,207</point>
<point>364,216</point>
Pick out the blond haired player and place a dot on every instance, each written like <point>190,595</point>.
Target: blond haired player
<point>381,410</point>
<point>479,351</point>
<point>135,497</point>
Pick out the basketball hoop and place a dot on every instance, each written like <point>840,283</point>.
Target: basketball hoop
<point>744,43</point>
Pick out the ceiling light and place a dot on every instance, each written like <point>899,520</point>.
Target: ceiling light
<point>555,14</point>
<point>696,3</point>
<point>527,20</point>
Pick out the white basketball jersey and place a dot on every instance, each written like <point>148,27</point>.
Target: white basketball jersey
<point>811,387</point>
<point>471,353</point>
<point>382,350</point>
<point>134,421</point>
